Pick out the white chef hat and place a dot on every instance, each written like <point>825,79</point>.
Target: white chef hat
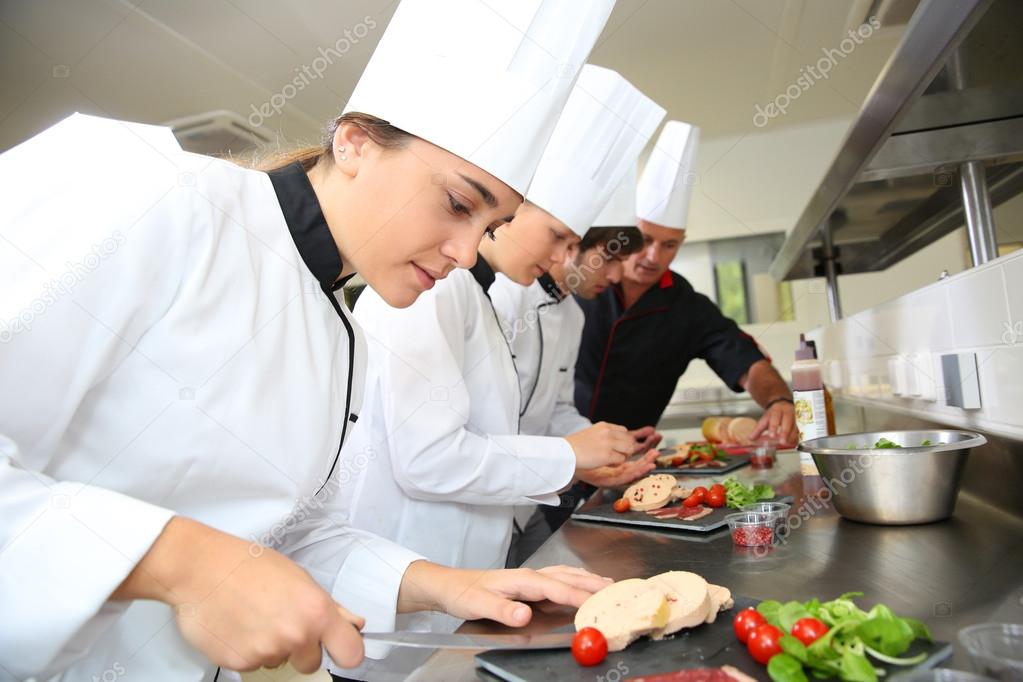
<point>483,80</point>
<point>666,184</point>
<point>605,124</point>
<point>620,210</point>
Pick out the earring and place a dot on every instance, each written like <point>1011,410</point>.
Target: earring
<point>341,150</point>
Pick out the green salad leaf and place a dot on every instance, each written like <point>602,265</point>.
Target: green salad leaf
<point>738,494</point>
<point>855,640</point>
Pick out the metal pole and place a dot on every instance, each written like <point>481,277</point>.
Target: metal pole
<point>980,225</point>
<point>831,274</point>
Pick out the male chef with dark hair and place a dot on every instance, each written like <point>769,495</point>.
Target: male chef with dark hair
<point>641,334</point>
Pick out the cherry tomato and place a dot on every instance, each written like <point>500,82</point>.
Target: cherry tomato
<point>621,505</point>
<point>808,630</point>
<point>700,491</point>
<point>763,643</point>
<point>715,498</point>
<point>589,646</point>
<point>678,461</point>
<point>718,487</point>
<point>745,622</point>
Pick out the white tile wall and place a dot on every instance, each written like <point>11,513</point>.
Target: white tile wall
<point>892,353</point>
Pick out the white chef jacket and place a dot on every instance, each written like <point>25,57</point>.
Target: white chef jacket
<point>441,461</point>
<point>172,343</point>
<point>544,328</point>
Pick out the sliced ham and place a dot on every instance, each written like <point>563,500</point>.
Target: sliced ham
<point>725,673</point>
<point>652,492</point>
<point>624,611</point>
<point>685,513</point>
<point>688,600</point>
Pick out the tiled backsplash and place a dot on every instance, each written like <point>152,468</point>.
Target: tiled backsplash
<point>891,355</point>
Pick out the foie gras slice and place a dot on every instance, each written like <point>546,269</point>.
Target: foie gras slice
<point>652,492</point>
<point>721,600</point>
<point>624,612</point>
<point>688,598</point>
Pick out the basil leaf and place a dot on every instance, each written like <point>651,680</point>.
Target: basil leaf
<point>785,668</point>
<point>769,609</point>
<point>856,668</point>
<point>889,636</point>
<point>793,647</point>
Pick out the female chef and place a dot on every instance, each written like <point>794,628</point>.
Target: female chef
<point>443,463</point>
<point>180,371</point>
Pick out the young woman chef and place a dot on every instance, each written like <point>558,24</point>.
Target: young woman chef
<point>438,461</point>
<point>179,369</point>
<point>544,324</point>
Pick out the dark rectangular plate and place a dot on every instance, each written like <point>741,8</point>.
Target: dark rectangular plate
<point>707,646</point>
<point>604,513</point>
<point>734,462</point>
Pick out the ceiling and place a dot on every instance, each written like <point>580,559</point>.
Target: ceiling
<point>707,61</point>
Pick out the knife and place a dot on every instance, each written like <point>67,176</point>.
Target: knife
<point>437,640</point>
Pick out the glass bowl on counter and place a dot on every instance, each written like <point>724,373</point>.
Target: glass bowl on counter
<point>995,649</point>
<point>752,528</point>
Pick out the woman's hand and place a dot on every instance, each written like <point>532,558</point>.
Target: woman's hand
<point>647,438</point>
<point>600,445</point>
<point>621,474</point>
<point>496,595</point>
<point>242,605</point>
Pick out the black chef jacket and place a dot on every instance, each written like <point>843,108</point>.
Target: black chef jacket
<point>630,360</point>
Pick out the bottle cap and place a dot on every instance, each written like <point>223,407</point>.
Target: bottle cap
<point>805,351</point>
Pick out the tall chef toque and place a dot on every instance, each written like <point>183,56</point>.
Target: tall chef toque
<point>605,125</point>
<point>483,80</point>
<point>666,185</point>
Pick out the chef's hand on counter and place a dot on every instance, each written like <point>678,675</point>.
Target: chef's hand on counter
<point>779,424</point>
<point>620,474</point>
<point>765,385</point>
<point>497,594</point>
<point>647,438</point>
<point>242,610</point>
<point>600,445</point>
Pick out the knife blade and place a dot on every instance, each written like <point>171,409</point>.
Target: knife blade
<point>438,640</point>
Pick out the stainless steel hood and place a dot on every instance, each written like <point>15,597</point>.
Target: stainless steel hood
<point>951,93</point>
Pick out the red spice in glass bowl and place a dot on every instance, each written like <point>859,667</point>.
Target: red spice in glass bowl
<point>752,529</point>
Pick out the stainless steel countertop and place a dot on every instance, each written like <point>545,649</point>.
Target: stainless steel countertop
<point>965,570</point>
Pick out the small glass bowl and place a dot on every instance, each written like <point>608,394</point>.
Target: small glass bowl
<point>995,649</point>
<point>752,529</point>
<point>942,675</point>
<point>777,510</point>
<point>761,455</point>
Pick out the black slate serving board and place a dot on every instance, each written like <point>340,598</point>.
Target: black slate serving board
<point>734,462</point>
<point>604,513</point>
<point>707,646</point>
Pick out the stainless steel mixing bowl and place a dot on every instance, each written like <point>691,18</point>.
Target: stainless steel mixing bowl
<point>911,484</point>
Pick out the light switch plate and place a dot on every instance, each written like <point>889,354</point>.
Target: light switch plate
<point>962,385</point>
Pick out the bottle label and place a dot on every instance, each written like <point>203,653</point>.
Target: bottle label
<point>812,422</point>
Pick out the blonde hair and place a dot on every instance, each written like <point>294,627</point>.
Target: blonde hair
<point>378,130</point>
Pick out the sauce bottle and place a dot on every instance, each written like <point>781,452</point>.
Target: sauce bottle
<point>809,401</point>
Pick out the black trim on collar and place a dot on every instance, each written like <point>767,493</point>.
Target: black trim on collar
<point>551,287</point>
<point>307,225</point>
<point>483,273</point>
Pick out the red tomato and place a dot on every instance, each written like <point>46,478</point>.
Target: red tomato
<point>763,643</point>
<point>745,622</point>
<point>589,646</point>
<point>715,498</point>
<point>678,461</point>
<point>808,630</point>
<point>700,491</point>
<point>718,487</point>
<point>621,505</point>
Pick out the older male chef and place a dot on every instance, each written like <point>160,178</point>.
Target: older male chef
<point>640,336</point>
